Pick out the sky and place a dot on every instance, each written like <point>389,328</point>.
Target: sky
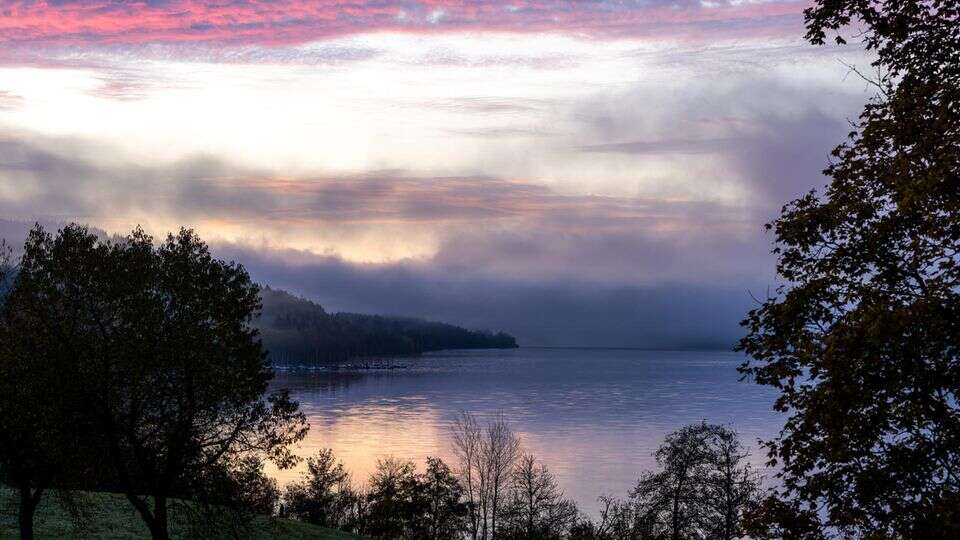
<point>576,173</point>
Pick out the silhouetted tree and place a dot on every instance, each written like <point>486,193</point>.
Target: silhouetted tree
<point>862,338</point>
<point>440,510</point>
<point>22,427</point>
<point>466,434</point>
<point>731,486</point>
<point>702,490</point>
<point>39,421</point>
<point>226,499</point>
<point>28,439</point>
<point>536,508</point>
<point>486,458</point>
<point>616,522</point>
<point>171,374</point>
<point>323,495</point>
<point>670,501</point>
<point>358,505</point>
<point>398,502</point>
<point>249,488</point>
<point>391,506</point>
<point>499,451</point>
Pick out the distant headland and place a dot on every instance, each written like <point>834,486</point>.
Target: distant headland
<point>296,331</point>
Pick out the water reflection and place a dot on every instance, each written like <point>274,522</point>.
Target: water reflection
<point>593,416</point>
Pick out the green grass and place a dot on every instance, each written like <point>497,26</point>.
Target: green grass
<point>110,516</point>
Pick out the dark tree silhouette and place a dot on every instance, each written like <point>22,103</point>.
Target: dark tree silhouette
<point>29,437</point>
<point>171,374</point>
<point>669,503</point>
<point>300,332</point>
<point>323,494</point>
<point>40,424</point>
<point>227,499</point>
<point>486,457</point>
<point>862,338</point>
<point>399,503</point>
<point>730,488</point>
<point>24,441</point>
<point>440,511</point>
<point>393,488</point>
<point>21,443</point>
<point>701,491</point>
<point>536,507</point>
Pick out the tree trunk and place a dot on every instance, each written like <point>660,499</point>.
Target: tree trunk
<point>155,521</point>
<point>676,515</point>
<point>29,500</point>
<point>493,517</point>
<point>159,528</point>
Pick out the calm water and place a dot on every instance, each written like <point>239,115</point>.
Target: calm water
<point>593,416</point>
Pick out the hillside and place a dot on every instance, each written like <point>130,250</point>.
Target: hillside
<point>296,331</point>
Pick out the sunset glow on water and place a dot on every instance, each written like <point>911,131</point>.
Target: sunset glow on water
<point>593,416</point>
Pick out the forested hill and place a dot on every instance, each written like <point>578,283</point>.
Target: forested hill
<point>296,331</point>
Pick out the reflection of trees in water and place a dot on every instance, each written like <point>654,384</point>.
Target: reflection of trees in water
<point>309,381</point>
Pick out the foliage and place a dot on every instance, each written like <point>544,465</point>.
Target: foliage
<point>156,343</point>
<point>440,513</point>
<point>39,419</point>
<point>702,488</point>
<point>405,504</point>
<point>861,339</point>
<point>228,499</point>
<point>323,495</point>
<point>392,494</point>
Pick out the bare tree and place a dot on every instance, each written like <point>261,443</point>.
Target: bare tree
<point>486,458</point>
<point>499,453</point>
<point>618,520</point>
<point>536,507</point>
<point>466,447</point>
<point>731,486</point>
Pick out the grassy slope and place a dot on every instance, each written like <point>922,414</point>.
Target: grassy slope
<point>112,517</point>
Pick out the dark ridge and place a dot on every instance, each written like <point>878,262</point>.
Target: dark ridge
<point>296,331</point>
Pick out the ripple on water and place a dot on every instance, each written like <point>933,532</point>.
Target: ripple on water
<point>593,416</point>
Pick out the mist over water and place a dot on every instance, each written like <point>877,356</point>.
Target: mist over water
<point>593,416</point>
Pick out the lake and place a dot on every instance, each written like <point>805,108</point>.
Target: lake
<point>595,417</point>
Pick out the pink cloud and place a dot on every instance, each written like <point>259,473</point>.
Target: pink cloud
<point>278,22</point>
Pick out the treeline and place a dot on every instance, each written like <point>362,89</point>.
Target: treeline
<point>702,490</point>
<point>296,331</point>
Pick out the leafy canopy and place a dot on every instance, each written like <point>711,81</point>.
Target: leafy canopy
<point>862,336</point>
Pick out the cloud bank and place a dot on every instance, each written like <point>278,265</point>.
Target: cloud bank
<point>552,267</point>
<point>577,173</point>
<point>71,22</point>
